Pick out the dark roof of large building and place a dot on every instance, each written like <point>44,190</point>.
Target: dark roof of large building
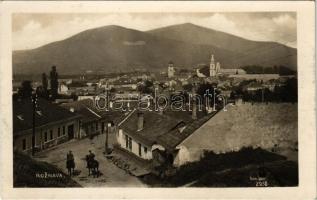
<point>79,107</point>
<point>46,113</point>
<point>154,126</point>
<point>89,111</point>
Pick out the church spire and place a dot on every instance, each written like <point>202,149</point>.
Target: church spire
<point>212,66</point>
<point>212,60</point>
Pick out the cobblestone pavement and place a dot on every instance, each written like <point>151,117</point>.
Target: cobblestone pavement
<point>111,175</point>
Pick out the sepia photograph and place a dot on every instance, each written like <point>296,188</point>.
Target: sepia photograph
<point>155,100</point>
<point>119,99</point>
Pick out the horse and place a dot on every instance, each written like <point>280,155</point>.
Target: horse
<point>93,166</point>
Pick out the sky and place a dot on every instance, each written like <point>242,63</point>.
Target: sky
<point>34,30</point>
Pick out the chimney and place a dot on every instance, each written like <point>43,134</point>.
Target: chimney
<point>140,121</point>
<point>194,111</point>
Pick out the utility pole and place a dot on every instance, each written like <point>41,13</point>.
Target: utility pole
<point>107,95</point>
<point>262,85</point>
<point>194,111</point>
<point>106,142</point>
<point>34,105</point>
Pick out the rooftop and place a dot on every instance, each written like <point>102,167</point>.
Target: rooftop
<point>155,125</point>
<point>46,113</point>
<point>171,139</point>
<point>88,110</point>
<point>257,125</point>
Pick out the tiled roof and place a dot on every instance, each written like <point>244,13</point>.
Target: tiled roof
<point>155,125</point>
<point>89,111</point>
<point>163,129</point>
<point>86,115</point>
<point>47,113</point>
<point>246,125</point>
<point>171,139</point>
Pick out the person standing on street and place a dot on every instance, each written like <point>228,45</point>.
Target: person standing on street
<point>70,163</point>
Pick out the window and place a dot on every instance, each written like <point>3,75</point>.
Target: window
<point>130,143</point>
<point>145,150</point>
<point>64,132</point>
<point>24,144</point>
<point>126,141</point>
<point>45,136</point>
<point>92,128</point>
<point>51,134</point>
<point>140,149</point>
<point>59,132</point>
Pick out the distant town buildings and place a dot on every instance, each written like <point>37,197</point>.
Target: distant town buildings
<point>215,69</point>
<point>62,88</point>
<point>263,77</point>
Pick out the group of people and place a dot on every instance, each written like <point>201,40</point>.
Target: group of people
<point>92,164</point>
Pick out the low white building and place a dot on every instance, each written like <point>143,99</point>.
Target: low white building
<point>62,88</point>
<point>140,133</point>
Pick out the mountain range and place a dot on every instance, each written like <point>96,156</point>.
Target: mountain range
<point>118,49</point>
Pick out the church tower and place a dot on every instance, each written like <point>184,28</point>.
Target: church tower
<point>170,70</point>
<point>212,67</point>
<point>217,67</point>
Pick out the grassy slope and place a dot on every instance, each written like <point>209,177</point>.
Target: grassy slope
<point>25,169</point>
<point>231,169</point>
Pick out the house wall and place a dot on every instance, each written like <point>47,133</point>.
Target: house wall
<point>145,154</point>
<point>40,142</point>
<point>186,155</point>
<point>90,128</point>
<point>63,89</point>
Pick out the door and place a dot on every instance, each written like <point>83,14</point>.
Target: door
<point>102,127</point>
<point>70,131</point>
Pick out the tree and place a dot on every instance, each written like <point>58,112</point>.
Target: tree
<point>25,91</point>
<point>54,82</point>
<point>146,87</point>
<point>44,82</point>
<point>207,88</point>
<point>187,87</point>
<point>290,92</point>
<point>42,91</point>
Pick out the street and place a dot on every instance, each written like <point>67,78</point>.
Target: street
<point>111,175</point>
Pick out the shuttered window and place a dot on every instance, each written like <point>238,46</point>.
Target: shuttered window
<point>140,149</point>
